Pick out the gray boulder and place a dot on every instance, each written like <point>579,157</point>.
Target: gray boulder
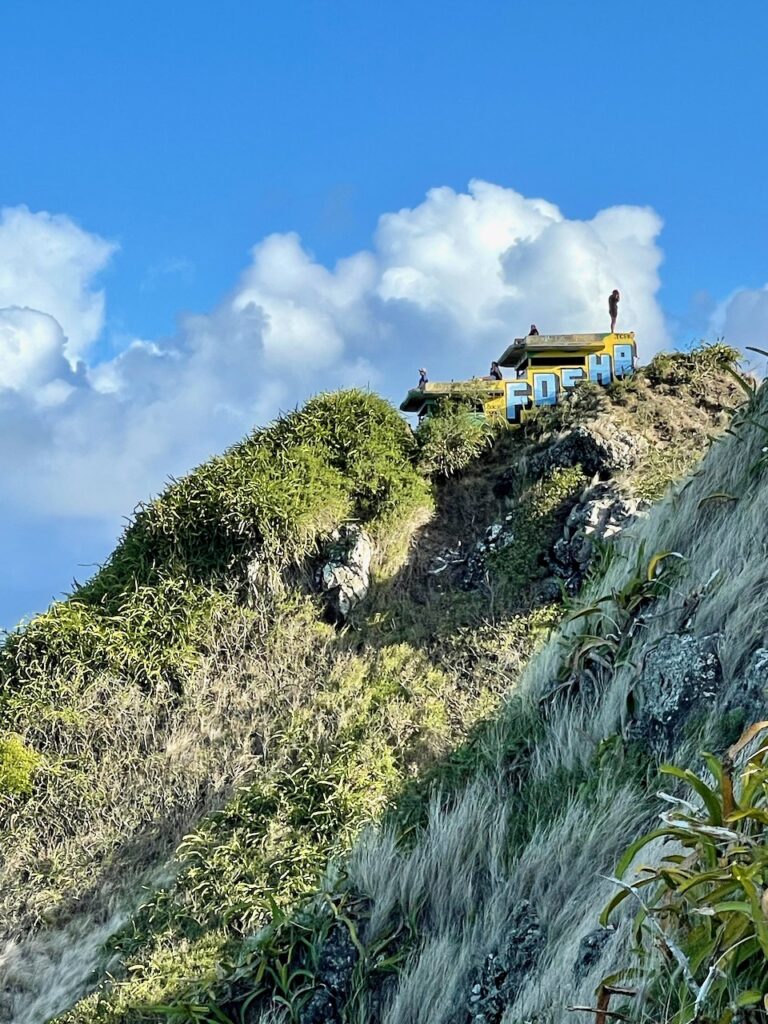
<point>599,447</point>
<point>680,673</point>
<point>601,514</point>
<point>498,980</point>
<point>345,573</point>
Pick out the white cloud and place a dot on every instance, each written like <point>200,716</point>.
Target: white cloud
<point>48,263</point>
<point>32,357</point>
<point>742,320</point>
<point>446,284</point>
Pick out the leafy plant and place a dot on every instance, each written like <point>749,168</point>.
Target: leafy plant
<point>614,621</point>
<point>702,928</point>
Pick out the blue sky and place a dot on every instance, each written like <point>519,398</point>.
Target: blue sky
<point>184,135</point>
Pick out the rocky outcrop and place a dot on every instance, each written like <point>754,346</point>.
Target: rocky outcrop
<point>591,949</point>
<point>344,576</point>
<point>681,672</point>
<point>601,514</point>
<point>752,695</point>
<point>335,968</point>
<point>600,448</point>
<point>503,972</point>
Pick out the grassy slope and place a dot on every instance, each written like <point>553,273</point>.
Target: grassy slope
<point>164,658</point>
<point>543,823</point>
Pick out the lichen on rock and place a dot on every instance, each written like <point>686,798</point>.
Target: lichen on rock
<point>681,672</point>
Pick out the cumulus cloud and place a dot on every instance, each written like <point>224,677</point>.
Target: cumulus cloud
<point>48,264</point>
<point>32,359</point>
<point>742,320</point>
<point>446,284</point>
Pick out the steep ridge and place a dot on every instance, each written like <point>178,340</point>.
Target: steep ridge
<point>197,684</point>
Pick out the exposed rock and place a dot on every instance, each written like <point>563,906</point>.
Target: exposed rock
<point>449,558</point>
<point>601,514</point>
<point>590,950</point>
<point>497,537</point>
<point>599,447</point>
<point>334,977</point>
<point>752,695</point>
<point>345,574</point>
<point>320,1008</point>
<point>503,972</point>
<point>680,672</point>
<point>337,960</point>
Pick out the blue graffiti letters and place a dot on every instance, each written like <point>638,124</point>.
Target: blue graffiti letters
<point>600,369</point>
<point>546,387</point>
<point>571,377</point>
<point>623,360</point>
<point>518,398</point>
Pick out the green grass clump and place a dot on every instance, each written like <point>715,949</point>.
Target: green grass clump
<point>452,436</point>
<point>17,766</point>
<point>693,367</point>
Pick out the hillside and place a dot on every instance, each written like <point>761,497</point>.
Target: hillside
<point>194,743</point>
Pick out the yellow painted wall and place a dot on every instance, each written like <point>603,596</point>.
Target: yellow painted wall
<point>547,385</point>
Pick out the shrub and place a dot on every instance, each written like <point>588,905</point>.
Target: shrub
<point>692,367</point>
<point>145,615</point>
<point>453,436</point>
<point>17,766</point>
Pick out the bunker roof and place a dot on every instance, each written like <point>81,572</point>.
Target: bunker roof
<point>552,345</point>
<point>416,397</point>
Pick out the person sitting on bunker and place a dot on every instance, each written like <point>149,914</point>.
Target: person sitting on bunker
<point>533,330</point>
<point>613,307</point>
<point>423,379</point>
<point>495,373</point>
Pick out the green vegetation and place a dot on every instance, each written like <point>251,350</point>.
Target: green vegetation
<point>692,368</point>
<point>533,525</point>
<point>704,910</point>
<point>17,767</point>
<point>190,707</point>
<point>454,435</point>
<point>145,616</point>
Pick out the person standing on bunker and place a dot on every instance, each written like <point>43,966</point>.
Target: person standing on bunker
<point>613,307</point>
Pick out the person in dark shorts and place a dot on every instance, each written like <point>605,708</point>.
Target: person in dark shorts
<point>423,379</point>
<point>496,373</point>
<point>613,307</point>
